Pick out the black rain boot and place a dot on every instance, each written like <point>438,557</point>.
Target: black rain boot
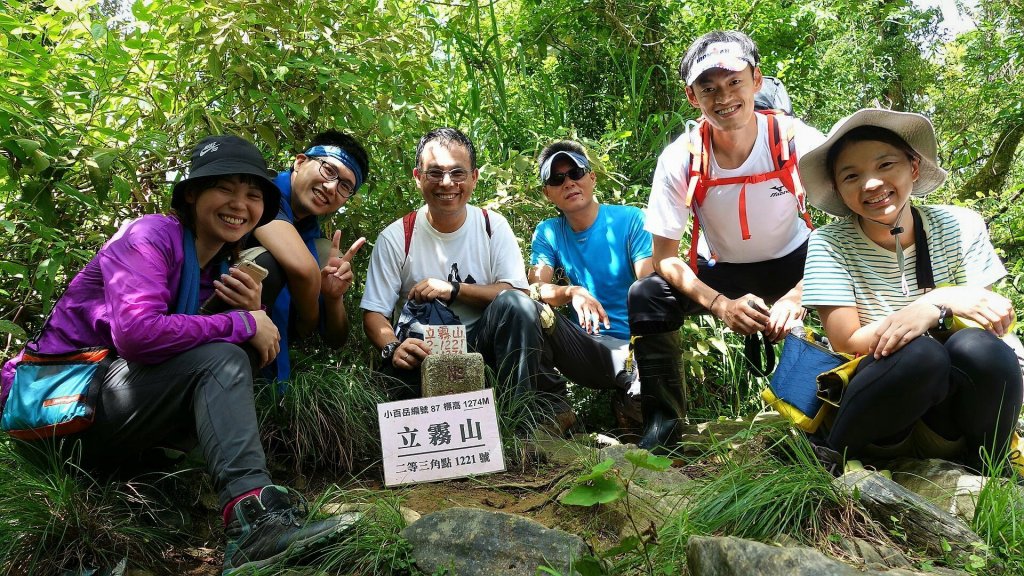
<point>663,392</point>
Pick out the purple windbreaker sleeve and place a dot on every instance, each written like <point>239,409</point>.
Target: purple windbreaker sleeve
<point>140,274</point>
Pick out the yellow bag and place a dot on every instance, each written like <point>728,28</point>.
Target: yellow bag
<point>833,383</point>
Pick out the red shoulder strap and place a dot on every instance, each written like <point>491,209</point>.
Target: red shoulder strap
<point>408,222</point>
<point>700,171</point>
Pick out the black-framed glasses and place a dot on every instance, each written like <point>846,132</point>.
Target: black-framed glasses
<point>559,178</point>
<point>330,174</point>
<point>436,175</point>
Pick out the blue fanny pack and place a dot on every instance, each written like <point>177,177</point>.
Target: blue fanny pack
<point>55,395</point>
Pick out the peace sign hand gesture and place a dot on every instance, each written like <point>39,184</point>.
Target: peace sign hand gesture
<point>337,277</point>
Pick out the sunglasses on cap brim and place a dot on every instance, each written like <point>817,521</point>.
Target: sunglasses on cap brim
<point>575,173</point>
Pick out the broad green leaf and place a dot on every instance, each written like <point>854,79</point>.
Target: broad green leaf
<point>523,164</point>
<point>644,459</point>
<point>268,135</point>
<point>598,470</point>
<point>719,344</point>
<point>244,71</point>
<point>628,544</point>
<point>40,161</point>
<point>599,491</point>
<point>589,566</point>
<point>214,64</point>
<point>72,6</point>
<point>13,269</point>
<point>8,327</point>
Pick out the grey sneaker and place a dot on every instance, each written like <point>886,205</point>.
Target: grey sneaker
<point>269,527</point>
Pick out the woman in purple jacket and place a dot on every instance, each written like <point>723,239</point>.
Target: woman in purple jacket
<point>182,375</point>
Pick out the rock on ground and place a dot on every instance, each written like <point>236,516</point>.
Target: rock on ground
<point>731,556</point>
<point>470,542</point>
<point>443,374</point>
<point>947,485</point>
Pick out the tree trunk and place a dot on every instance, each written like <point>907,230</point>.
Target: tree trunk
<point>992,176</point>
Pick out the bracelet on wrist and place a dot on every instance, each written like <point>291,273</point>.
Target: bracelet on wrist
<point>456,286</point>
<point>711,307</point>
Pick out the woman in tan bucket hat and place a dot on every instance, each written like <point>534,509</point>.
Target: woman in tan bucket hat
<point>888,279</point>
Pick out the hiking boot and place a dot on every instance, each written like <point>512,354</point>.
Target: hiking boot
<point>269,527</point>
<point>662,389</point>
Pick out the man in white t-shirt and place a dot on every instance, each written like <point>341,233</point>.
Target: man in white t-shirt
<point>744,195</point>
<point>464,257</point>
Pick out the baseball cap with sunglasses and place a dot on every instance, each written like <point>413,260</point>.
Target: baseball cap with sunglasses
<point>558,178</point>
<point>580,169</point>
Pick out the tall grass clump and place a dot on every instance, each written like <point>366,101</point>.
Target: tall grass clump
<point>519,416</point>
<point>373,545</point>
<point>325,420</point>
<point>775,487</point>
<point>55,518</point>
<point>999,518</point>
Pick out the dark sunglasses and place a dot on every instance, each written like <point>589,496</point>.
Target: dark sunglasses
<point>575,173</point>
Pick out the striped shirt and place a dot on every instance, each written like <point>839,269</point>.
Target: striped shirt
<point>845,268</point>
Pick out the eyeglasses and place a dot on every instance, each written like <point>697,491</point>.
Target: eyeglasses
<point>457,175</point>
<point>559,178</point>
<point>330,173</point>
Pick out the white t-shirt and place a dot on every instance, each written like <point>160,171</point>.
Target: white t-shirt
<point>467,255</point>
<point>845,268</point>
<point>776,227</point>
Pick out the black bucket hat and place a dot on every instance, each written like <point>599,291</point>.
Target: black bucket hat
<point>225,155</point>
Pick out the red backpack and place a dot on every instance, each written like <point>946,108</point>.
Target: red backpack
<point>783,151</point>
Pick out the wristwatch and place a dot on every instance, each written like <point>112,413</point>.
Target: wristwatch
<point>945,317</point>
<point>388,351</point>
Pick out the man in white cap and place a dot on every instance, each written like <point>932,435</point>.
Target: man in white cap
<point>588,257</point>
<point>735,175</point>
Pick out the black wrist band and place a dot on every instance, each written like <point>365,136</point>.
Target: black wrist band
<point>456,286</point>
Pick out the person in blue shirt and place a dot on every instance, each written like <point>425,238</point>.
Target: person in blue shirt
<point>309,275</point>
<point>587,257</point>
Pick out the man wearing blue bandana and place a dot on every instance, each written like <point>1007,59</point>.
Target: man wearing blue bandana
<point>309,275</point>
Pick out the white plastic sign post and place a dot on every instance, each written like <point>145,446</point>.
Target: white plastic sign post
<point>441,437</point>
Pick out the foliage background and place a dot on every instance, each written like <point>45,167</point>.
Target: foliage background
<point>100,101</point>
